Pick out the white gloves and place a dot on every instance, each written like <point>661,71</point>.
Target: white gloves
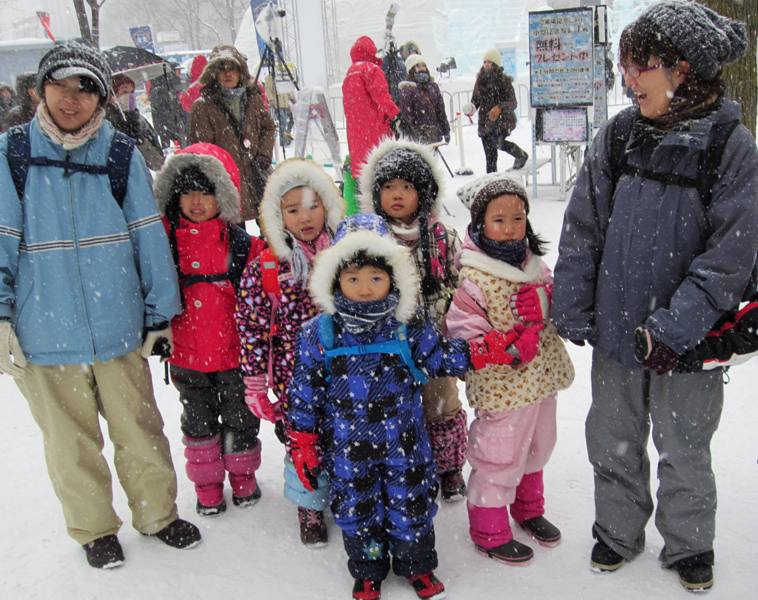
<point>468,109</point>
<point>12,359</point>
<point>164,349</point>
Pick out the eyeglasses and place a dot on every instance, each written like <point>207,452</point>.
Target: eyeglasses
<point>634,71</point>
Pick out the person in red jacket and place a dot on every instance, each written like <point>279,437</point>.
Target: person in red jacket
<point>369,109</point>
<point>192,93</point>
<point>198,194</point>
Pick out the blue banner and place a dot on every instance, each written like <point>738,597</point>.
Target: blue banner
<point>256,6</point>
<point>142,36</point>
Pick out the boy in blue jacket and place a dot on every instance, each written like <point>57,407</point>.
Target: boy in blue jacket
<point>355,404</point>
<point>88,288</point>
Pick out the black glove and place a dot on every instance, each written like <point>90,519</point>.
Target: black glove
<point>446,138</point>
<point>653,353</point>
<point>395,126</point>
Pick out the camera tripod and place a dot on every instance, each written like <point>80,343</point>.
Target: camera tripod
<point>271,54</point>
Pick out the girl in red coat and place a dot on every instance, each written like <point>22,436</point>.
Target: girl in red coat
<point>198,194</point>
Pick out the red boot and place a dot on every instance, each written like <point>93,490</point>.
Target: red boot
<point>205,468</point>
<point>427,586</point>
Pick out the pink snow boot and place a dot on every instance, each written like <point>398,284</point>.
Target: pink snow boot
<point>205,468</point>
<point>242,467</point>
<point>491,532</point>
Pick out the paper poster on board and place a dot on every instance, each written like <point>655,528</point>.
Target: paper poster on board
<point>561,57</point>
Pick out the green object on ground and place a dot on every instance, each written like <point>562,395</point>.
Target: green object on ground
<point>348,190</point>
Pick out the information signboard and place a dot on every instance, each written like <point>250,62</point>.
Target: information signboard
<point>561,57</point>
<point>561,125</point>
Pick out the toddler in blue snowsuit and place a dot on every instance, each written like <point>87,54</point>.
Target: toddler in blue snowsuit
<point>365,398</point>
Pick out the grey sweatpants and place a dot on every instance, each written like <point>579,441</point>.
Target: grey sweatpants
<point>684,410</point>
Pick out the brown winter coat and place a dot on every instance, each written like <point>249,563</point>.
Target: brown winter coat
<point>211,121</point>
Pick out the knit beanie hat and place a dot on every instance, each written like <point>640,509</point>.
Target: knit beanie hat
<point>405,163</point>
<point>478,193</point>
<point>413,60</point>
<point>75,58</point>
<point>493,55</point>
<point>705,39</point>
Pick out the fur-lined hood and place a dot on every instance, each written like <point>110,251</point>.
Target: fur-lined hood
<point>292,173</point>
<point>222,54</point>
<point>405,277</point>
<point>216,164</point>
<point>368,172</point>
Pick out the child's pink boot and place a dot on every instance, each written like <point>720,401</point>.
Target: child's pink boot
<point>205,468</point>
<point>242,467</point>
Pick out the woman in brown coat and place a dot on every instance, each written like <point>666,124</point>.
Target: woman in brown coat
<point>230,114</point>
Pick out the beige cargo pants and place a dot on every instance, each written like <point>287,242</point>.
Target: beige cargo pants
<point>66,400</point>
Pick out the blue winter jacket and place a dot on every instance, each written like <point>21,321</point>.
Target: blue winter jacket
<point>81,277</point>
<point>370,399</point>
<point>660,260</point>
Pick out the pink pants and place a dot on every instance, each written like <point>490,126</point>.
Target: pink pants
<point>507,451</point>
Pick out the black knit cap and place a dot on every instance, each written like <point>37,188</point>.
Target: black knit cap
<point>75,58</point>
<point>363,259</point>
<point>404,163</point>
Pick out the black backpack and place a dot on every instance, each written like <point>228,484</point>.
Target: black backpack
<point>707,171</point>
<point>116,167</point>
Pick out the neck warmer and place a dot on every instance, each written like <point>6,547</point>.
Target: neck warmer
<point>365,317</point>
<point>233,100</point>
<point>422,77</point>
<point>304,253</point>
<point>71,140</point>
<point>406,233</point>
<point>512,252</point>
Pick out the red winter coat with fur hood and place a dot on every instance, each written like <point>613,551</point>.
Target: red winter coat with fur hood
<point>205,333</point>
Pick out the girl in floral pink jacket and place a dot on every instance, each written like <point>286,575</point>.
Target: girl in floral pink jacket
<point>299,213</point>
<point>505,285</point>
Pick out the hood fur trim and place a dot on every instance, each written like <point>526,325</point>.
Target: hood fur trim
<point>404,273</point>
<point>476,259</point>
<point>296,172</point>
<point>366,198</point>
<point>227,195</point>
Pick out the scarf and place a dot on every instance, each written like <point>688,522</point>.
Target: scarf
<point>407,233</point>
<point>304,253</point>
<point>365,317</point>
<point>72,140</point>
<point>233,99</point>
<point>511,252</point>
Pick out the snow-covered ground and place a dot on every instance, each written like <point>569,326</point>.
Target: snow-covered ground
<point>256,553</point>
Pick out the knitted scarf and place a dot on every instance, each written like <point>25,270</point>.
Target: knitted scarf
<point>365,317</point>
<point>511,252</point>
<point>304,253</point>
<point>72,140</point>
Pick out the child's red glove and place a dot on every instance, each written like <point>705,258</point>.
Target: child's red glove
<point>528,342</point>
<point>305,458</point>
<point>492,349</point>
<point>532,302</point>
<point>256,398</point>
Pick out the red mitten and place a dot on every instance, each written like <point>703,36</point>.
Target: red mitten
<point>256,398</point>
<point>492,349</point>
<point>528,343</point>
<point>305,458</point>
<point>532,302</point>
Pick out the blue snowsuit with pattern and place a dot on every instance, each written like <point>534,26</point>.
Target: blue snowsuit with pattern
<point>374,442</point>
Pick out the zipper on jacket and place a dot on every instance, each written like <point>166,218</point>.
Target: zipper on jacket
<point>78,264</point>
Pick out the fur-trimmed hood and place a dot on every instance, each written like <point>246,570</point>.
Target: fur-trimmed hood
<point>368,173</point>
<point>292,173</point>
<point>216,164</point>
<point>219,55</point>
<point>329,262</point>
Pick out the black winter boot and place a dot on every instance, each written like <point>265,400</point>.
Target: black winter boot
<point>366,589</point>
<point>104,552</point>
<point>604,559</point>
<point>696,572</point>
<point>520,157</point>
<point>543,531</point>
<point>511,553</point>
<point>179,534</point>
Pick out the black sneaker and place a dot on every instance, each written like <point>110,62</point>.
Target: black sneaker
<point>543,531</point>
<point>696,572</point>
<point>179,534</point>
<point>210,511</point>
<point>245,501</point>
<point>104,552</point>
<point>513,553</point>
<point>604,559</point>
<point>366,589</point>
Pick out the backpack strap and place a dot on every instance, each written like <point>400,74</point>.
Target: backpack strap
<point>326,340</point>
<point>405,352</point>
<point>116,167</point>
<point>270,273</point>
<point>119,159</point>
<point>708,169</point>
<point>239,250</point>
<point>620,132</point>
<point>18,153</point>
<point>438,263</point>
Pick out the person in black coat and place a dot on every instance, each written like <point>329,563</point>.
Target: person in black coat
<point>422,109</point>
<point>495,99</point>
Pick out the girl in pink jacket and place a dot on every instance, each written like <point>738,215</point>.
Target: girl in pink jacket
<point>504,284</point>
